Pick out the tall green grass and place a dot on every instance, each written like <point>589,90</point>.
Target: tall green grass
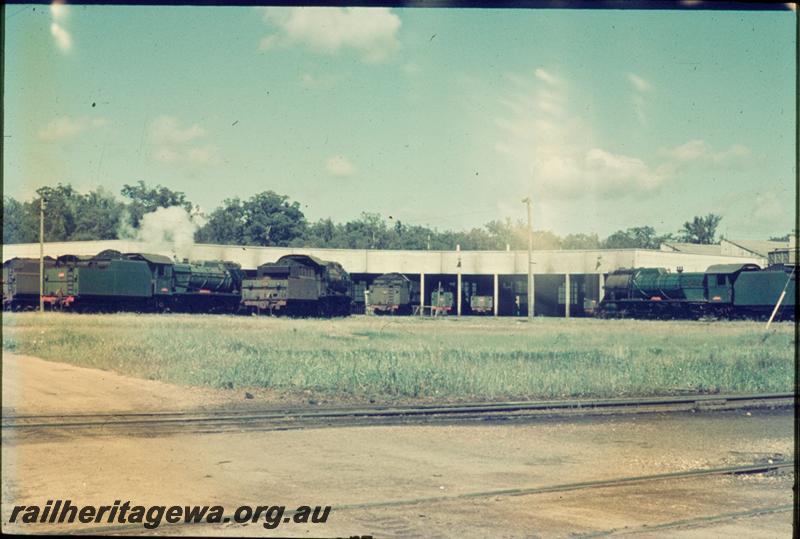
<point>410,357</point>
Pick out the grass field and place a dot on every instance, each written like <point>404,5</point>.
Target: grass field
<point>386,358</point>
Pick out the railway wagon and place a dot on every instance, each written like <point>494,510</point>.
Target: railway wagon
<point>299,285</point>
<point>481,304</point>
<point>111,280</point>
<point>21,282</point>
<point>393,293</point>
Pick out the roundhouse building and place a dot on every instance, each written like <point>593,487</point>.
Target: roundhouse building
<point>566,283</point>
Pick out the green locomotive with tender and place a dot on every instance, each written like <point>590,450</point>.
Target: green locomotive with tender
<point>112,280</point>
<point>723,290</point>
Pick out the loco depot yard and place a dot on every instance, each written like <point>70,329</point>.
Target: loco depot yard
<point>389,359</point>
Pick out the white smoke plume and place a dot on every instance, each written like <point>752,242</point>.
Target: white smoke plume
<point>166,230</point>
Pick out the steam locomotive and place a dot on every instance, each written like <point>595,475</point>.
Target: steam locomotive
<point>393,293</point>
<point>723,291</point>
<point>112,280</point>
<point>299,285</point>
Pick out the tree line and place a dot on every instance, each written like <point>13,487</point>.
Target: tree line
<point>271,219</point>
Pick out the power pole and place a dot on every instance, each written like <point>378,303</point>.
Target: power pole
<point>41,255</point>
<point>527,201</point>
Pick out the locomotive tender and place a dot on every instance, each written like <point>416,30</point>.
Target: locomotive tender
<point>21,282</point>
<point>723,290</point>
<point>393,293</point>
<point>112,280</point>
<point>299,285</point>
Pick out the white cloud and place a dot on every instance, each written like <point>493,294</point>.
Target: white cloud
<point>269,42</point>
<point>411,69</point>
<point>338,165</point>
<point>173,143</point>
<point>768,212</point>
<point>204,155</point>
<point>65,127</point>
<point>165,155</point>
<point>699,151</point>
<point>370,31</point>
<point>547,77</point>
<point>61,36</point>
<point>167,130</point>
<point>555,152</point>
<point>640,87</point>
<point>310,81</point>
<point>639,83</point>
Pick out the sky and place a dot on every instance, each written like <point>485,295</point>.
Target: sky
<point>439,117</point>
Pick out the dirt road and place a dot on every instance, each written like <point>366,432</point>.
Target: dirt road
<point>357,467</point>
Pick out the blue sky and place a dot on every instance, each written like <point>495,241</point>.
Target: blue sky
<point>445,118</point>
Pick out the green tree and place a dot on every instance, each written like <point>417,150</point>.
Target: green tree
<point>265,219</point>
<point>146,199</point>
<point>225,225</point>
<point>639,237</point>
<point>580,241</point>
<point>701,229</point>
<point>270,219</point>
<point>62,206</point>
<point>19,225</point>
<point>98,216</point>
<point>785,237</point>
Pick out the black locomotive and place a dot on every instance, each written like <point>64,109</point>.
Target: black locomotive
<point>299,285</point>
<point>21,282</point>
<point>393,293</point>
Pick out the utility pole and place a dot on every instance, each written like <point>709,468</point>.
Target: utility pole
<point>41,255</point>
<point>527,201</point>
<point>458,281</point>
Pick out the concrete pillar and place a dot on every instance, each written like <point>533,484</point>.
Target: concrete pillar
<point>458,282</point>
<point>422,294</point>
<point>496,301</point>
<point>601,287</point>
<point>566,295</point>
<point>532,296</point>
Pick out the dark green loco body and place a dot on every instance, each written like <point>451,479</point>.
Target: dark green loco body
<point>136,281</point>
<point>723,290</point>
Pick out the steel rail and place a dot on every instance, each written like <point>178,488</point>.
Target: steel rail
<point>501,410</point>
<point>696,522</point>
<point>756,468</point>
<point>583,485</point>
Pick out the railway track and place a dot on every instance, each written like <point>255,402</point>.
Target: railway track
<point>292,418</point>
<point>748,469</point>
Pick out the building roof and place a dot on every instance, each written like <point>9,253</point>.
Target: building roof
<point>356,261</point>
<point>757,247</point>
<point>692,248</point>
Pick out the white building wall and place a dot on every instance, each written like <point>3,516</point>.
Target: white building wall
<point>412,262</point>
